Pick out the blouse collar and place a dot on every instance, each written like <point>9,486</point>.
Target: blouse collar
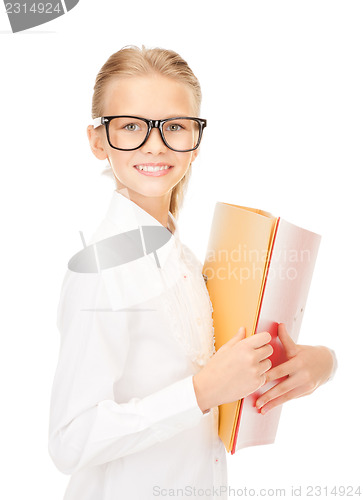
<point>126,214</point>
<point>123,216</point>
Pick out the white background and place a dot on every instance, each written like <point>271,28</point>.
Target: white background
<point>282,91</point>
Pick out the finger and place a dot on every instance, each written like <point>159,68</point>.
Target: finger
<point>277,391</point>
<point>262,379</point>
<point>287,368</point>
<point>259,339</point>
<point>286,340</point>
<point>242,329</point>
<point>294,393</point>
<point>264,366</point>
<point>240,335</point>
<point>264,352</point>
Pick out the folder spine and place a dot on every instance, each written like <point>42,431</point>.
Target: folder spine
<point>233,451</point>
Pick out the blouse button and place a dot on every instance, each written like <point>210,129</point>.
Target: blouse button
<point>199,321</point>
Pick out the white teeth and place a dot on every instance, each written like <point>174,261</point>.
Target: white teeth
<point>151,169</point>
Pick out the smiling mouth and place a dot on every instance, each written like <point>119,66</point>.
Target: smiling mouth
<point>152,168</point>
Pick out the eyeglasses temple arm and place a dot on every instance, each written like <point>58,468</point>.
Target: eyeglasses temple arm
<point>97,122</point>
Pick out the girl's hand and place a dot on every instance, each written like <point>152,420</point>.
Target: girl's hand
<point>236,370</point>
<point>307,368</point>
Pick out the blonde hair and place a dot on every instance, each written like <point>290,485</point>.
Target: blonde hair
<point>133,61</point>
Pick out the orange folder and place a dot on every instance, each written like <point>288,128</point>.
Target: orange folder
<point>258,270</point>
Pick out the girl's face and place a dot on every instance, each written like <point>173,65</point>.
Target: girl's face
<point>153,97</point>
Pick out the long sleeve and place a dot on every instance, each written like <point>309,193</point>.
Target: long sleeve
<point>87,425</point>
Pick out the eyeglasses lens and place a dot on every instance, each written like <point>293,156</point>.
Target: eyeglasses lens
<point>130,133</point>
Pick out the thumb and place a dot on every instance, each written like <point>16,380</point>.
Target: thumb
<point>287,342</point>
<point>240,335</point>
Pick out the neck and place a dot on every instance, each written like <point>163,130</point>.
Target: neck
<point>157,207</point>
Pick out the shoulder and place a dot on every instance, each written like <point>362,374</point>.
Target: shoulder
<point>79,292</point>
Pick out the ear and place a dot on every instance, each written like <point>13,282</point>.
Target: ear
<point>97,143</point>
<point>194,155</point>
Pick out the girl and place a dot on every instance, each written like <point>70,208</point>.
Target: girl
<point>134,406</point>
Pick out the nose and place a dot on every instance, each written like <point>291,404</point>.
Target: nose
<point>154,143</point>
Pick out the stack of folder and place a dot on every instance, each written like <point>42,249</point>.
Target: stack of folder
<point>258,270</point>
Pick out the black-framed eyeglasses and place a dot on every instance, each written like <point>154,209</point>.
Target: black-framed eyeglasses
<point>127,133</point>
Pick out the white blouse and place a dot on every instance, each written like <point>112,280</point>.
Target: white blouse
<point>124,419</point>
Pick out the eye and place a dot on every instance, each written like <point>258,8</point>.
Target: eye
<point>132,127</point>
<point>174,127</point>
